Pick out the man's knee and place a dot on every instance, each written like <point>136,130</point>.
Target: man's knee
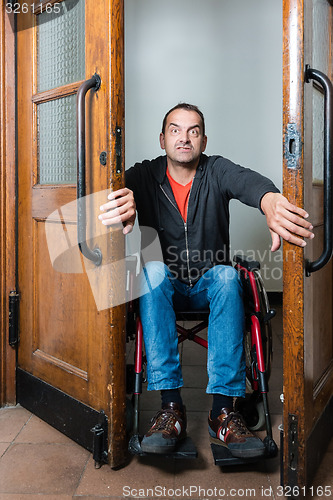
<point>153,274</point>
<point>226,277</point>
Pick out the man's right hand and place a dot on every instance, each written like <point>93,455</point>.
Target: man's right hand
<point>120,209</point>
<point>286,220</point>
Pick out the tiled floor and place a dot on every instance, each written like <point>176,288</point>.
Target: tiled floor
<point>37,462</point>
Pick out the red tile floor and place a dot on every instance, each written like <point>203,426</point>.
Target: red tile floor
<point>38,462</point>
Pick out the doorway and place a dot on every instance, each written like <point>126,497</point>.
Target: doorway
<point>242,130</point>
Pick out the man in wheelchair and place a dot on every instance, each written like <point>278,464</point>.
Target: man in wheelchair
<point>184,196</point>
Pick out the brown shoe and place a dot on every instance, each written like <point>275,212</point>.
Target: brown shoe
<point>229,430</point>
<point>169,427</point>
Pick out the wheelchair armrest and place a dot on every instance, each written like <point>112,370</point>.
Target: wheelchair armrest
<point>246,262</point>
<point>131,262</point>
<point>131,274</point>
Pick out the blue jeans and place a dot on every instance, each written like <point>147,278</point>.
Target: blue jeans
<point>218,290</point>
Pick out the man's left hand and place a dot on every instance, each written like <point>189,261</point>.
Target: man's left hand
<point>286,220</point>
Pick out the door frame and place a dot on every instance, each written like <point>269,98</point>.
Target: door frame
<point>8,265</point>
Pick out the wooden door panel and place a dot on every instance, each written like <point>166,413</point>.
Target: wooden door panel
<point>317,215</point>
<point>59,313</point>
<point>322,327</point>
<point>48,199</point>
<point>67,346</point>
<point>318,296</point>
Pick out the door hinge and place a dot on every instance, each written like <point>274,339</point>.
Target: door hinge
<point>293,448</point>
<point>100,440</point>
<point>13,334</point>
<point>119,163</point>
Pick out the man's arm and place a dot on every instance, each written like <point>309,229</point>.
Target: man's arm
<point>120,209</point>
<point>286,220</point>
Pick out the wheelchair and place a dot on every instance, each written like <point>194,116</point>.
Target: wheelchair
<point>258,352</point>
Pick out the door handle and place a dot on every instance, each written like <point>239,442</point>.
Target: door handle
<point>94,255</point>
<point>326,84</point>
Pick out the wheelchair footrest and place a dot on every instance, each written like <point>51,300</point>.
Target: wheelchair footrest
<point>185,449</point>
<point>222,456</point>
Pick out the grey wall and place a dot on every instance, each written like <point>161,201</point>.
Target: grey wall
<point>226,57</point>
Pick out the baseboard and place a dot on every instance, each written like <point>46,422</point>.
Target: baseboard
<point>61,411</point>
<point>319,440</point>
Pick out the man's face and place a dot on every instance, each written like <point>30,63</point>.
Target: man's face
<point>183,139</point>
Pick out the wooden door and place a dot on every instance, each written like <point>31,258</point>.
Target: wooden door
<point>71,362</point>
<point>308,330</point>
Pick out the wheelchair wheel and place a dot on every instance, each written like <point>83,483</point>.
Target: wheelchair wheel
<point>260,417</point>
<point>252,410</point>
<point>266,334</point>
<point>265,323</point>
<point>252,407</point>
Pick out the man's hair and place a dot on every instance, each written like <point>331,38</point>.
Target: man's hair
<point>188,107</point>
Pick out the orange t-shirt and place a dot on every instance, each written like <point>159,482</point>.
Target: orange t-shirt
<point>181,194</point>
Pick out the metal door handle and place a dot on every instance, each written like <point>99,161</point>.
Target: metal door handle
<point>93,83</point>
<point>326,84</point>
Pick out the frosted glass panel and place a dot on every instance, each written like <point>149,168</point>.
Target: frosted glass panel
<point>318,137</point>
<point>57,141</point>
<point>322,36</point>
<point>61,45</point>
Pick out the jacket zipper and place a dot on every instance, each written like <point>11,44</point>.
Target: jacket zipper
<point>185,229</point>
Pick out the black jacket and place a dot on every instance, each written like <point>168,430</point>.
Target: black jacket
<point>191,248</point>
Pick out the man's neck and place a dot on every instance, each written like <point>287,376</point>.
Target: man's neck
<point>183,174</point>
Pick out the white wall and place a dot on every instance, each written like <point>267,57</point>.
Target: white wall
<point>226,57</point>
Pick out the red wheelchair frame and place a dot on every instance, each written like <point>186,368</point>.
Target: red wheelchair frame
<point>258,352</point>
